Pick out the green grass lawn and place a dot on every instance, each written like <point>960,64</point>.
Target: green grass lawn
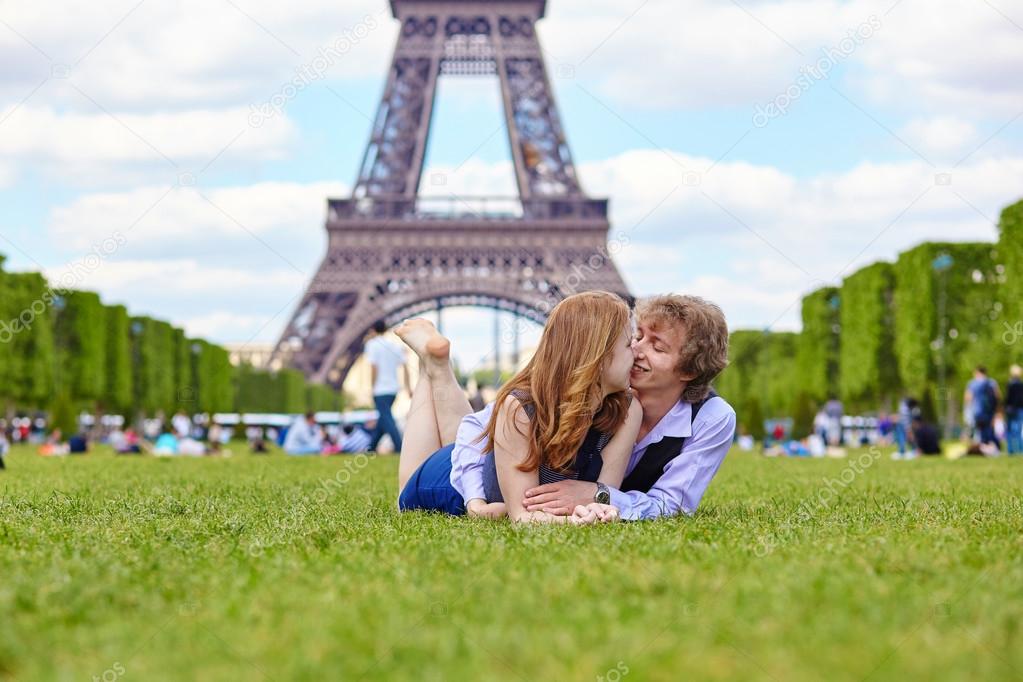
<point>283,568</point>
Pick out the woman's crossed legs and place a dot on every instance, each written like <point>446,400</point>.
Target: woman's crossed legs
<point>438,403</point>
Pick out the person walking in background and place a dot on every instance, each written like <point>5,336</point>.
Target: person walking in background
<point>982,397</point>
<point>909,409</point>
<point>820,424</point>
<point>834,411</point>
<point>385,357</point>
<point>4,446</point>
<point>1014,411</point>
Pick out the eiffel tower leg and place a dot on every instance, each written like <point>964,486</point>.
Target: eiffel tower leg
<point>543,162</point>
<point>393,162</point>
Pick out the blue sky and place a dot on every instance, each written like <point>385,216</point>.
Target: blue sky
<point>107,108</point>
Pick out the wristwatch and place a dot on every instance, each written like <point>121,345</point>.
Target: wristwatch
<point>603,494</point>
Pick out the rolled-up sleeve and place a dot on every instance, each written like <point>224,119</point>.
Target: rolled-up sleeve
<point>467,460</point>
<point>680,488</point>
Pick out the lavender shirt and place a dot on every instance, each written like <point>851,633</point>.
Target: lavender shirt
<point>467,456</point>
<point>678,490</point>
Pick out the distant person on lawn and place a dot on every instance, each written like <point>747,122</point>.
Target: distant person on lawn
<point>182,425</point>
<point>926,437</point>
<point>1014,411</point>
<point>386,358</point>
<point>981,398</point>
<point>304,437</point>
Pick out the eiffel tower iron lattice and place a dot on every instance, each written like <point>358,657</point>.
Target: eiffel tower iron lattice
<point>392,253</point>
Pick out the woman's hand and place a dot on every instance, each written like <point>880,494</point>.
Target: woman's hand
<point>594,512</point>
<point>480,508</point>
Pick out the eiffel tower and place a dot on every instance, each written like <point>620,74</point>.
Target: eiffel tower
<point>393,254</point>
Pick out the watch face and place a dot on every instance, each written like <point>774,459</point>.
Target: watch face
<point>603,496</point>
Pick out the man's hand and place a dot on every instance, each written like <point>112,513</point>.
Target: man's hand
<point>594,512</point>
<point>480,508</point>
<point>559,498</point>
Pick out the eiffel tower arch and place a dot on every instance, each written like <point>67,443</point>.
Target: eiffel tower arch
<point>392,253</point>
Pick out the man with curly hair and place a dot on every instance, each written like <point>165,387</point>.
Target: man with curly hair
<point>681,346</point>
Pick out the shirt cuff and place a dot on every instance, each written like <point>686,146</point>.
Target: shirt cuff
<point>624,504</point>
<point>473,490</point>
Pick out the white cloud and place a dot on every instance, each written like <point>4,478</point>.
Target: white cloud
<point>216,302</point>
<point>283,219</point>
<point>7,174</point>
<point>703,54</point>
<point>659,54</point>
<point>226,326</point>
<point>954,54</point>
<point>196,54</point>
<point>473,178</point>
<point>91,148</point>
<point>186,277</point>
<point>139,56</point>
<point>941,135</point>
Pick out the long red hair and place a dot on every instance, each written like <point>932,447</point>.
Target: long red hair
<point>562,381</point>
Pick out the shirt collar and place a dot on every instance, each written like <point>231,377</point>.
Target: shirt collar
<point>677,423</point>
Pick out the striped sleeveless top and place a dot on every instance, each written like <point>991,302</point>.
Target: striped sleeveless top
<point>587,466</point>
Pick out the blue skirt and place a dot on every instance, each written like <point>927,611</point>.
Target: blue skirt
<point>430,487</point>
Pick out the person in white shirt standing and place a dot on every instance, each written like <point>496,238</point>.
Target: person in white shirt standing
<point>385,357</point>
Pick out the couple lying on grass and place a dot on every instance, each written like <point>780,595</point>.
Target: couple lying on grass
<point>613,418</point>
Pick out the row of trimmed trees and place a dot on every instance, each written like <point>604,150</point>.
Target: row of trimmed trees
<point>65,351</point>
<point>915,327</point>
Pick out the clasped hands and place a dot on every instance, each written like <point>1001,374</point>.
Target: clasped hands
<point>573,499</point>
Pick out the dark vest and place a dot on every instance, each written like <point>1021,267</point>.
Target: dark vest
<point>657,455</point>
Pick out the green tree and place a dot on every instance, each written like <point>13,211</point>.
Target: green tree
<point>80,336</point>
<point>293,390</point>
<point>1010,248</point>
<point>868,370</point>
<point>31,344</point>
<point>966,282</point>
<point>219,384</point>
<point>7,357</point>
<point>817,356</point>
<point>153,365</point>
<point>185,397</point>
<point>736,383</point>
<point>323,398</point>
<point>118,391</point>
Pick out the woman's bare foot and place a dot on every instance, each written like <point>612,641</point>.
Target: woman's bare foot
<point>421,336</point>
